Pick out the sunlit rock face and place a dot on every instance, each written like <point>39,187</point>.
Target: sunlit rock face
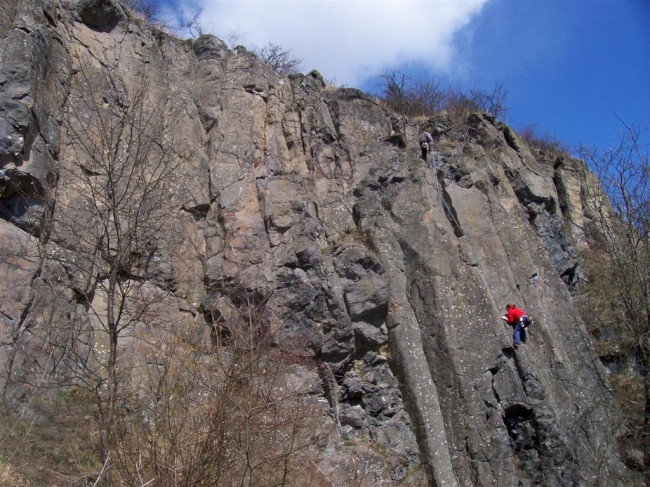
<point>388,272</point>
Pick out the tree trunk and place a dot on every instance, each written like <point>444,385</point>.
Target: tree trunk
<point>645,429</point>
<point>112,382</point>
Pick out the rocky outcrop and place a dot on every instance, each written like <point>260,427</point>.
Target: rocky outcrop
<point>311,202</point>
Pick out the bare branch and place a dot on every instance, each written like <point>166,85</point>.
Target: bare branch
<point>619,206</point>
<point>279,59</point>
<point>149,9</point>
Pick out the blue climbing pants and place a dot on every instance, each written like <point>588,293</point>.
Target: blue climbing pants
<point>520,332</point>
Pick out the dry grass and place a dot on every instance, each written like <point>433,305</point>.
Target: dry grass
<point>9,477</point>
<point>543,142</point>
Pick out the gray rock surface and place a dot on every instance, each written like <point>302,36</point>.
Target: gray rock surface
<point>390,271</point>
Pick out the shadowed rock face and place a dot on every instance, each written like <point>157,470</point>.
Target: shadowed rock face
<point>389,271</point>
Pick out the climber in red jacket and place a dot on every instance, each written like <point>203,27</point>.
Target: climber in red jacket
<point>517,318</point>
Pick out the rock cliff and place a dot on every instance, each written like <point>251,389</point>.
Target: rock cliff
<point>385,272</point>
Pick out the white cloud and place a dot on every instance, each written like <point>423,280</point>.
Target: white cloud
<point>347,41</point>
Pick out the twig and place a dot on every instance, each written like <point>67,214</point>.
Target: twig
<point>102,471</point>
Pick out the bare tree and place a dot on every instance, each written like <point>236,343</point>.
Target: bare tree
<point>234,38</point>
<point>112,213</point>
<point>543,141</point>
<point>279,59</point>
<point>619,207</point>
<point>149,9</point>
<point>395,91</point>
<point>194,26</point>
<point>426,97</point>
<point>492,102</point>
<point>233,415</point>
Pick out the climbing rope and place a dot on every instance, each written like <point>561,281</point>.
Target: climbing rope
<point>451,215</point>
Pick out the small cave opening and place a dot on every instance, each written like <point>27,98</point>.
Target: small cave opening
<point>519,420</point>
<point>220,333</point>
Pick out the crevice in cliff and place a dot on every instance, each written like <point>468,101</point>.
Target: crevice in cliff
<point>562,190</point>
<point>9,8</point>
<point>541,452</point>
<point>18,331</point>
<point>510,138</point>
<point>49,18</point>
<point>303,143</point>
<point>448,208</point>
<point>520,422</point>
<point>474,473</point>
<point>338,139</point>
<point>331,389</point>
<point>20,326</point>
<point>541,213</point>
<point>198,212</point>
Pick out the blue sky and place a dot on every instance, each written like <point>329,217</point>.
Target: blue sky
<point>571,67</point>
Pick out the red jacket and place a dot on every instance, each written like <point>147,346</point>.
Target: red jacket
<point>514,315</point>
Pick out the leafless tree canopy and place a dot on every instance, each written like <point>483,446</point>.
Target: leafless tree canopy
<point>543,141</point>
<point>280,59</point>
<point>426,97</point>
<point>619,208</point>
<point>168,410</point>
<point>194,26</point>
<point>149,9</point>
<point>112,210</point>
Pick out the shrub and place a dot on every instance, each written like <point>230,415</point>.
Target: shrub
<point>542,141</point>
<point>427,97</point>
<point>279,59</point>
<point>148,9</point>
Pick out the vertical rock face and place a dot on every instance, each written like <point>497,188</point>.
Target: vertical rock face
<point>390,272</point>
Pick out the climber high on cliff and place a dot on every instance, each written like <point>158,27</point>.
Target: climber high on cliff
<point>519,319</point>
<point>426,143</point>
